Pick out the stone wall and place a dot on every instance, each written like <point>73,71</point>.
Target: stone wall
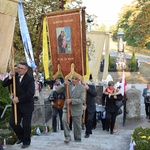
<point>133,103</point>
<point>42,110</point>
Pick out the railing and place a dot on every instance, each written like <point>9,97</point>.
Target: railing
<point>7,106</point>
<point>43,113</point>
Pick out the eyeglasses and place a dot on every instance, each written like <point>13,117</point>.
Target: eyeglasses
<point>21,68</point>
<point>74,78</point>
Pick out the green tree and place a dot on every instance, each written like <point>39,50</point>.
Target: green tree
<point>102,27</point>
<point>133,62</point>
<point>134,21</point>
<point>110,62</point>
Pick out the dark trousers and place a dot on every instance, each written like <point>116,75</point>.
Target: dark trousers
<point>56,111</point>
<point>147,109</point>
<point>23,127</point>
<point>110,120</point>
<point>1,148</point>
<point>89,118</point>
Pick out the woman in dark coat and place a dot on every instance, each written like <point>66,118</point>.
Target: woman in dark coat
<point>109,97</point>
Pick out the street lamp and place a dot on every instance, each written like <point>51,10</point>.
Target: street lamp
<point>120,41</point>
<point>121,60</point>
<point>89,22</point>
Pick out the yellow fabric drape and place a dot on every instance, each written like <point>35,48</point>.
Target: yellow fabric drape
<point>86,77</point>
<point>45,50</point>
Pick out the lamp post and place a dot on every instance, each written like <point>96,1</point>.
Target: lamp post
<point>89,22</point>
<point>120,41</point>
<point>121,60</point>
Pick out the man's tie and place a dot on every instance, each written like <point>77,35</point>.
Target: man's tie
<point>19,77</point>
<point>73,87</point>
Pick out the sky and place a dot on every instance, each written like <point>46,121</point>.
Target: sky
<point>106,10</point>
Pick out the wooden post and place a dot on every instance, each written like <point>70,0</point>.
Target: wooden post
<point>14,86</point>
<point>84,111</point>
<point>68,105</point>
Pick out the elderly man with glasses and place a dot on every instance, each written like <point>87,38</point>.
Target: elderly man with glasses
<point>24,101</point>
<point>76,100</point>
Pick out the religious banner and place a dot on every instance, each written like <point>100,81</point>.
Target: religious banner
<point>8,13</point>
<point>100,41</point>
<point>67,42</point>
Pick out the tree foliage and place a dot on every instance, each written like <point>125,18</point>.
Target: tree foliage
<point>134,21</point>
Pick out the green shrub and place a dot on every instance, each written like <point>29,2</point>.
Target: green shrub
<point>4,100</point>
<point>141,136</point>
<point>133,62</point>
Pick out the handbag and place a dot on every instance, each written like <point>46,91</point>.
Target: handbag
<point>119,111</point>
<point>119,104</point>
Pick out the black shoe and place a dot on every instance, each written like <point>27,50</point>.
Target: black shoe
<point>111,132</point>
<point>90,132</point>
<point>19,141</point>
<point>25,145</point>
<point>78,140</point>
<point>87,136</point>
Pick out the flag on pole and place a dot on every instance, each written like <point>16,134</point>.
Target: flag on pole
<point>123,84</point>
<point>25,37</point>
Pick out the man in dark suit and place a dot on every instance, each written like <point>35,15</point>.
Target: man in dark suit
<point>24,102</point>
<point>90,108</point>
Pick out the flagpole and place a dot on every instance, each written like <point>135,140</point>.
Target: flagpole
<point>68,105</point>
<point>84,111</point>
<point>14,86</point>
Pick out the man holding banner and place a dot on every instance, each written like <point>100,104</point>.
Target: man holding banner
<point>76,100</point>
<point>25,89</point>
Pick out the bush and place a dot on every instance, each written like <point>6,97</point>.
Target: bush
<point>4,100</point>
<point>133,63</point>
<point>141,136</point>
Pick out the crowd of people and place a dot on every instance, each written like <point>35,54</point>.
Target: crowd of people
<point>74,94</point>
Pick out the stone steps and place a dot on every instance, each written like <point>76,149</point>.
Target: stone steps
<point>99,140</point>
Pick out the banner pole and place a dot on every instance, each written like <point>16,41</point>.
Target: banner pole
<point>84,112</point>
<point>14,86</point>
<point>68,105</point>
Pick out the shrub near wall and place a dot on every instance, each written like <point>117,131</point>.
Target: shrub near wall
<point>4,100</point>
<point>141,137</point>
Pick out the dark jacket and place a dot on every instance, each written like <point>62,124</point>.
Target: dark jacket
<point>24,91</point>
<point>90,99</point>
<point>110,102</point>
<point>55,96</point>
<point>144,94</point>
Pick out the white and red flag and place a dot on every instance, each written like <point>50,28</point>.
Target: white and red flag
<point>123,84</point>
